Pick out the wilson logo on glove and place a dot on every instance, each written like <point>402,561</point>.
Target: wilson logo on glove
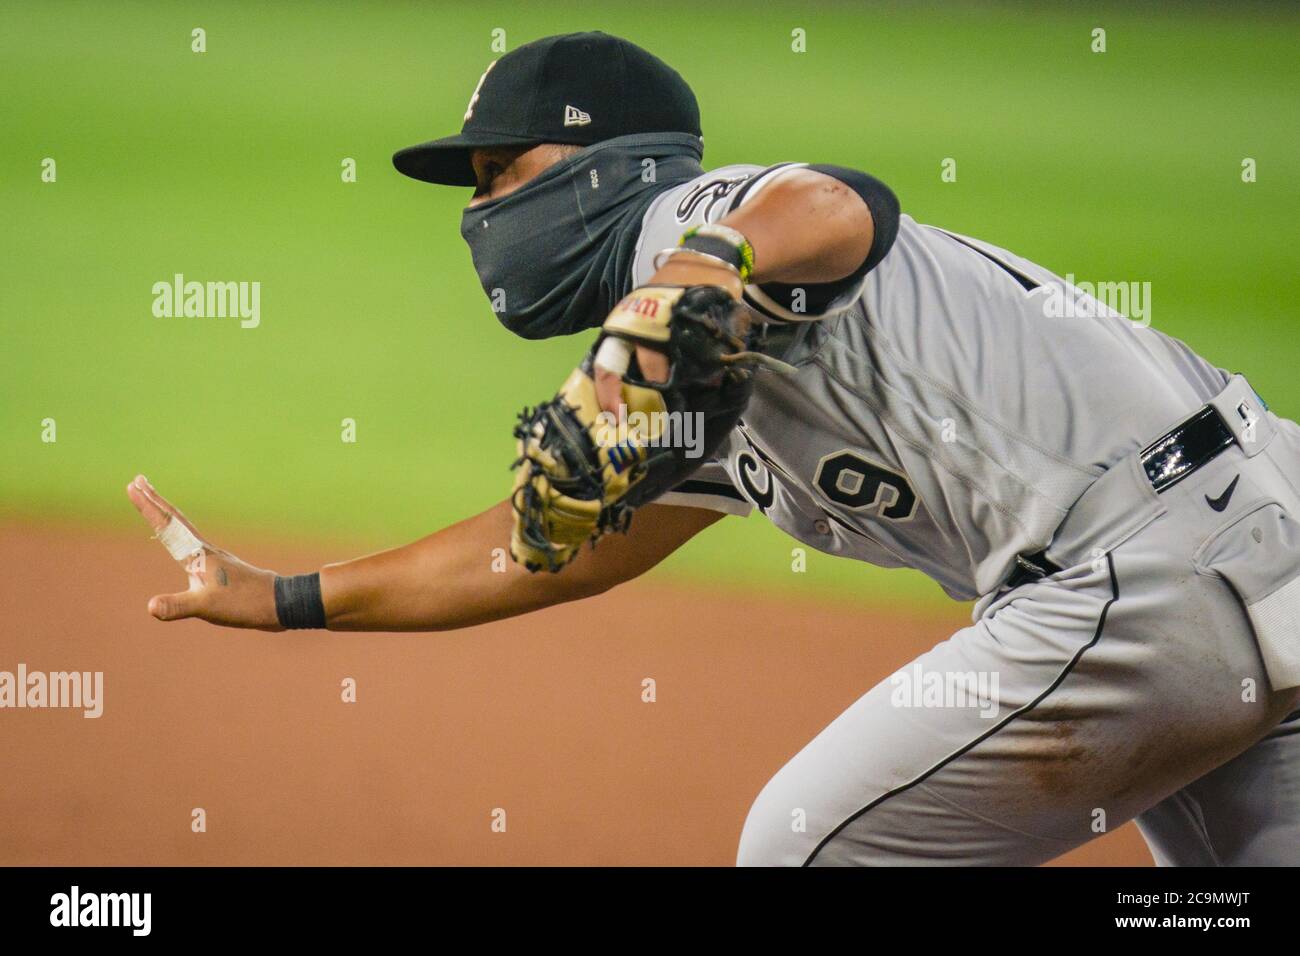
<point>640,305</point>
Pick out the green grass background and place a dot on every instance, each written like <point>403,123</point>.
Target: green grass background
<point>225,166</point>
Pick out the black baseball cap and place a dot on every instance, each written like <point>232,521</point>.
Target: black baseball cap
<point>577,88</point>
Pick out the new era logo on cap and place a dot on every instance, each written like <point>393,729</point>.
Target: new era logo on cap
<point>575,117</point>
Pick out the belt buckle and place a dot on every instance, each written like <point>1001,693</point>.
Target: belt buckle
<point>1027,569</point>
<point>1030,567</point>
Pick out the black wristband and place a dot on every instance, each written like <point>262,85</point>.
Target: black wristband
<point>714,246</point>
<point>297,601</point>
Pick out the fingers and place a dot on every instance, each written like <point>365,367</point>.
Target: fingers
<point>654,364</point>
<point>186,547</point>
<point>172,530</point>
<point>174,607</point>
<point>160,504</point>
<point>611,362</point>
<point>609,370</point>
<point>608,390</point>
<point>151,512</point>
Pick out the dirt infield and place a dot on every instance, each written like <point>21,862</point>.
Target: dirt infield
<point>541,717</point>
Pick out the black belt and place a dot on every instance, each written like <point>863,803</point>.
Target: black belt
<point>1175,455</point>
<point>1167,460</point>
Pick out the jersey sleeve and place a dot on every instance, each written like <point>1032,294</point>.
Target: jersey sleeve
<point>708,488</point>
<point>802,302</point>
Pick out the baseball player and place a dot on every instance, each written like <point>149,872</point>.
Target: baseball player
<point>1123,512</point>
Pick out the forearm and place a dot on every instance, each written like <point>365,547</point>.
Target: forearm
<point>808,227</point>
<point>456,577</point>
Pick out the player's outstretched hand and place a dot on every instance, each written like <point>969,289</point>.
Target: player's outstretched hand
<point>223,589</point>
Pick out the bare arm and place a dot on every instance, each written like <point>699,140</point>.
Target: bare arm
<point>440,582</point>
<point>447,580</point>
<point>805,227</point>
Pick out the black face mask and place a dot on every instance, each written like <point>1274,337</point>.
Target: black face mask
<point>556,255</point>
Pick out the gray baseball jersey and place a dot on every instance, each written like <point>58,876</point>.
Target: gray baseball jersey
<point>941,417</point>
<point>947,414</point>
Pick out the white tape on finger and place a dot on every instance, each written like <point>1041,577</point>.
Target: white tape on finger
<point>179,540</point>
<point>614,355</point>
